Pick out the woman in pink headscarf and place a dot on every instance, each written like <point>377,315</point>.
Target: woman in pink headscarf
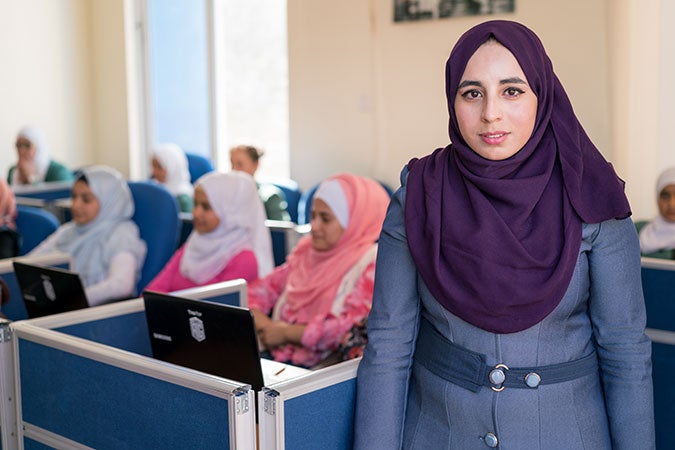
<point>326,285</point>
<point>9,237</point>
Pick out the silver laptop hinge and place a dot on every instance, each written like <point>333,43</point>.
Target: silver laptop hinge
<point>241,402</point>
<point>270,401</point>
<point>5,332</point>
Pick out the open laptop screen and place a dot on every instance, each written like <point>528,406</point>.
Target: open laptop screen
<point>49,290</point>
<point>210,337</point>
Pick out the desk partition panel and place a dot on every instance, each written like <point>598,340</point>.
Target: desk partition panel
<point>658,285</point>
<point>84,379</point>
<point>8,438</point>
<point>232,292</point>
<point>309,412</point>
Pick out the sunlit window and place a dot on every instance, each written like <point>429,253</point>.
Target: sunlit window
<point>219,77</point>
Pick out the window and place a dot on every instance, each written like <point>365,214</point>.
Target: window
<point>217,76</point>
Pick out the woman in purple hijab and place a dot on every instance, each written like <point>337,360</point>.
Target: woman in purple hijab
<point>508,309</point>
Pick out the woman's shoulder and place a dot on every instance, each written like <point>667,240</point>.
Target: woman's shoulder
<point>622,230</point>
<point>185,202</point>
<point>58,172</point>
<point>126,229</point>
<point>245,255</point>
<point>268,191</point>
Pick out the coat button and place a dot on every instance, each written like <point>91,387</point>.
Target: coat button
<point>532,379</point>
<point>497,376</point>
<point>491,440</point>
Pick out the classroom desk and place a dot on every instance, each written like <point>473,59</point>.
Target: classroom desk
<point>86,379</point>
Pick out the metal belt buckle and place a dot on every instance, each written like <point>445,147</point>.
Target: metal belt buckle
<point>497,377</point>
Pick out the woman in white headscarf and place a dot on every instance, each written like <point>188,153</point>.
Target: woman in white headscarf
<point>657,238</point>
<point>229,239</point>
<point>103,241</point>
<point>33,164</point>
<point>170,168</point>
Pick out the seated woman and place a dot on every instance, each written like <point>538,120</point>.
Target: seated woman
<point>246,159</point>
<point>657,238</point>
<point>229,239</point>
<point>170,169</point>
<point>10,240</point>
<point>104,243</point>
<point>33,164</point>
<point>326,285</point>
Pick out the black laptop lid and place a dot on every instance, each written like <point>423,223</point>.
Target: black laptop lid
<point>210,337</point>
<point>49,290</point>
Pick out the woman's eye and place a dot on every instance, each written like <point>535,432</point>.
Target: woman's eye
<point>471,94</point>
<point>513,92</point>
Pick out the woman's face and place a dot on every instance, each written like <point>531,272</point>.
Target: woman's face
<point>242,162</point>
<point>326,230</point>
<point>85,206</point>
<point>666,203</point>
<point>204,218</point>
<point>25,149</point>
<point>158,171</point>
<point>495,106</point>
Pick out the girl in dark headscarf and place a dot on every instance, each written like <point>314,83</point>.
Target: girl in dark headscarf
<point>508,306</point>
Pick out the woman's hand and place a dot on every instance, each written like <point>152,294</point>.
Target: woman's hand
<point>25,169</point>
<point>276,333</point>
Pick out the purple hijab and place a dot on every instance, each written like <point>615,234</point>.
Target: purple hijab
<point>496,242</point>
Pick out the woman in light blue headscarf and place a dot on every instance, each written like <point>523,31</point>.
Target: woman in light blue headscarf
<point>104,243</point>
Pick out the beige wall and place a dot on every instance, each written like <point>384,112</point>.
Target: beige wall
<point>366,94</point>
<point>643,92</point>
<point>68,77</point>
<point>110,99</point>
<point>46,77</point>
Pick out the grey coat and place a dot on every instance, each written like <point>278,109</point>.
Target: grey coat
<point>400,404</point>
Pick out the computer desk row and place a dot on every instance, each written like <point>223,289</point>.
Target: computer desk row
<point>85,379</point>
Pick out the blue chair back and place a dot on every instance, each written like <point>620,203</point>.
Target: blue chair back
<point>34,225</point>
<point>305,205</point>
<point>198,165</point>
<point>156,215</point>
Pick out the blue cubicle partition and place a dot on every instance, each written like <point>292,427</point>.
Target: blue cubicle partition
<point>313,411</point>
<point>15,308</point>
<point>232,292</point>
<point>86,378</point>
<point>658,284</point>
<point>8,438</point>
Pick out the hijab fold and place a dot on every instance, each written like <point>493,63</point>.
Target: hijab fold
<point>496,242</point>
<point>173,159</point>
<point>234,198</point>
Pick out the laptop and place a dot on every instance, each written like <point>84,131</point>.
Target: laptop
<point>49,290</point>
<point>214,338</point>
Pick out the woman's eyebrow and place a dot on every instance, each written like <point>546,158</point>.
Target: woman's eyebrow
<point>513,80</point>
<point>466,83</point>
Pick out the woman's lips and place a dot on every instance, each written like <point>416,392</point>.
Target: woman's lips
<point>494,138</point>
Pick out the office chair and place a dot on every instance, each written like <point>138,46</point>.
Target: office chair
<point>34,225</point>
<point>156,215</point>
<point>198,165</point>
